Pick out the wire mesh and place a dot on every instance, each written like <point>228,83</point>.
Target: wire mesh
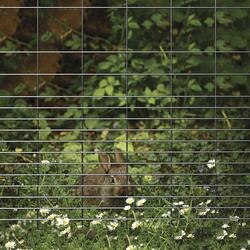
<point>184,142</point>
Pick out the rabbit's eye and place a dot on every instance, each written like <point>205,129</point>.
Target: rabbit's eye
<point>112,179</point>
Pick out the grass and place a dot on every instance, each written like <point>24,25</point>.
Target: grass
<point>137,228</point>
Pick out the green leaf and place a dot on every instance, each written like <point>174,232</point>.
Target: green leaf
<point>209,22</point>
<point>74,43</point>
<point>133,25</point>
<point>157,17</point>
<point>147,91</point>
<point>161,87</point>
<point>99,92</point>
<point>191,46</point>
<point>151,101</point>
<point>104,65</point>
<point>43,123</point>
<point>196,87</point>
<point>178,16</point>
<point>123,145</point>
<point>221,45</point>
<point>210,87</point>
<point>222,19</point>
<point>195,22</point>
<point>147,24</point>
<point>130,34</point>
<point>9,46</point>
<point>103,83</point>
<point>191,17</point>
<point>46,36</point>
<point>111,79</point>
<point>91,123</point>
<point>43,135</point>
<point>109,90</point>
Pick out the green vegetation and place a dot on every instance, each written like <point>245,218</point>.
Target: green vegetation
<point>184,145</point>
<point>173,228</point>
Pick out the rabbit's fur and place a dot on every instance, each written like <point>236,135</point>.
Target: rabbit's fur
<point>110,177</point>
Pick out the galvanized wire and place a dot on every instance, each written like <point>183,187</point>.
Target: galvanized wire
<point>33,168</point>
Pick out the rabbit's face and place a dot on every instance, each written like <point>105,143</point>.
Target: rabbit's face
<point>121,182</point>
<point>115,186</point>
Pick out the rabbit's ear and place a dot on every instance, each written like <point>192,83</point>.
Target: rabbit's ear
<point>105,161</point>
<point>119,157</point>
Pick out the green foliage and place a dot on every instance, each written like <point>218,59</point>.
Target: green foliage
<point>172,228</point>
<point>170,117</point>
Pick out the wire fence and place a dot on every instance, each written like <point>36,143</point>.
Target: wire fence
<point>79,137</point>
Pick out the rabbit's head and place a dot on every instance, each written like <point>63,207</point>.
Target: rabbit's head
<point>110,181</point>
<point>118,173</point>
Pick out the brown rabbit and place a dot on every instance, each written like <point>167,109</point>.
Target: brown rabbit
<point>109,184</point>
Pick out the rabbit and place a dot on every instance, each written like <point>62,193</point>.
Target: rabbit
<point>110,178</point>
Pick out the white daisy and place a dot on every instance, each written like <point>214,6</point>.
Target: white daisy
<point>99,216</point>
<point>126,208</point>
<point>44,211</point>
<point>62,221</point>
<point>234,218</point>
<point>65,231</point>
<point>52,216</point>
<point>15,227</point>
<point>220,237</point>
<point>10,244</point>
<point>179,237</point>
<point>95,222</point>
<point>204,212</point>
<point>45,162</point>
<point>140,202</point>
<point>131,247</point>
<point>166,215</point>
<point>135,225</point>
<point>232,236</point>
<point>211,163</point>
<point>130,200</point>
<point>208,202</point>
<point>184,210</point>
<point>178,203</point>
<point>112,226</point>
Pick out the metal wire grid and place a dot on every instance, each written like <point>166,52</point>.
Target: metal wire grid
<point>37,111</point>
<point>216,151</point>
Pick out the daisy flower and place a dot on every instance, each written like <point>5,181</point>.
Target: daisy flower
<point>211,163</point>
<point>135,225</point>
<point>95,222</point>
<point>190,236</point>
<point>140,202</point>
<point>126,208</point>
<point>10,244</point>
<point>130,200</point>
<point>44,211</point>
<point>131,247</point>
<point>45,162</point>
<point>232,236</point>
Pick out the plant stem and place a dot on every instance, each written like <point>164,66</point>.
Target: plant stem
<point>14,40</point>
<point>107,237</point>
